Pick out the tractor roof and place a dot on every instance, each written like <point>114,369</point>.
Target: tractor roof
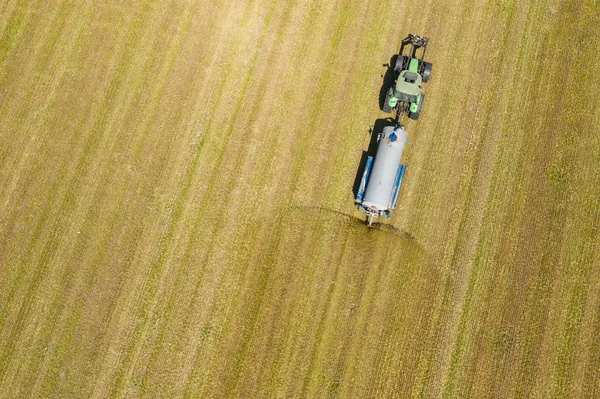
<point>410,77</point>
<point>409,83</point>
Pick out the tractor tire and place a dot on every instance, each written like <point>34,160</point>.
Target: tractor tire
<point>386,108</point>
<point>386,103</point>
<point>415,115</point>
<point>399,67</point>
<point>426,71</point>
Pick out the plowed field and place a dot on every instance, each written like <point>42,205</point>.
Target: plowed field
<point>176,210</point>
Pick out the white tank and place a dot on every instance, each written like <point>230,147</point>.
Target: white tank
<point>380,188</point>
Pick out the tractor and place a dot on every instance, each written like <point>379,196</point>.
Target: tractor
<point>410,71</point>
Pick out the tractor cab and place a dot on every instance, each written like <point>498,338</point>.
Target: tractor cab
<point>406,91</point>
<point>409,84</point>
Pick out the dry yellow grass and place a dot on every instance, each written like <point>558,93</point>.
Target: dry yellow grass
<point>164,167</point>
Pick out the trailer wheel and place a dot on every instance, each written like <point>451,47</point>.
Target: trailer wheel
<point>426,71</point>
<point>399,64</point>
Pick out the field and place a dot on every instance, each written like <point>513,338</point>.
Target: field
<point>175,180</point>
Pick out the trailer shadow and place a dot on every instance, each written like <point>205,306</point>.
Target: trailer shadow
<point>371,150</point>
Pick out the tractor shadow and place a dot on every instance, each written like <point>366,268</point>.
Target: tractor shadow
<point>388,80</point>
<point>388,77</point>
<point>371,151</point>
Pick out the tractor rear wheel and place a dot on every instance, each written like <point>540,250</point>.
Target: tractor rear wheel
<point>415,115</point>
<point>426,71</point>
<point>399,67</point>
<point>386,104</point>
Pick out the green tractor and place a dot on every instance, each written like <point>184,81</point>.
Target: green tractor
<point>410,71</point>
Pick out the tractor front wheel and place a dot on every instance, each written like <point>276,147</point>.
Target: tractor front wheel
<point>426,71</point>
<point>399,67</point>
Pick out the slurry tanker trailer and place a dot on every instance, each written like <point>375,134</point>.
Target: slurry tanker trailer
<point>382,177</point>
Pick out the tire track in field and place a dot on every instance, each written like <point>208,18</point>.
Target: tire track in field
<point>156,95</point>
<point>63,170</point>
<point>272,192</point>
<point>244,237</point>
<point>211,196</point>
<point>437,155</point>
<point>510,162</point>
<point>580,210</point>
<point>246,158</point>
<point>276,236</point>
<point>22,152</point>
<point>75,179</point>
<point>11,31</point>
<point>194,73</point>
<point>543,226</point>
<point>190,175</point>
<point>25,92</point>
<point>120,319</point>
<point>199,145</point>
<point>485,159</point>
<point>23,309</point>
